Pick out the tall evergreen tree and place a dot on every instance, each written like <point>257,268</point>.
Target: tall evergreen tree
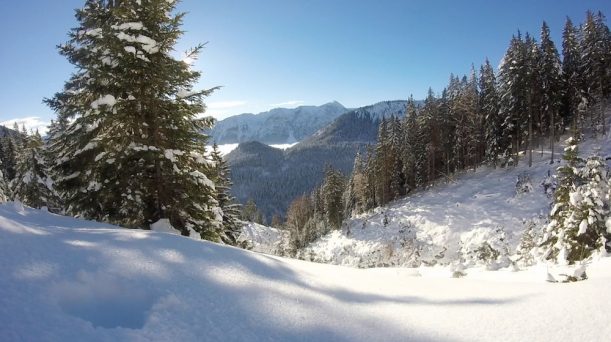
<point>411,141</point>
<point>397,177</point>
<point>384,161</point>
<point>578,225</point>
<point>356,194</point>
<point>447,127</point>
<point>371,178</point>
<point>534,95</point>
<point>551,84</point>
<point>596,66</point>
<point>134,152</point>
<point>32,184</point>
<point>332,195</point>
<point>513,95</point>
<point>9,158</point>
<point>474,121</point>
<point>251,213</point>
<point>226,201</point>
<point>429,144</point>
<point>560,215</point>
<point>4,190</point>
<point>572,78</point>
<point>592,205</point>
<point>493,123</point>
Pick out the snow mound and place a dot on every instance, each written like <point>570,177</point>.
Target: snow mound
<point>164,226</point>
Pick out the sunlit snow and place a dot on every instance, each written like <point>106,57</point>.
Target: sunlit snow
<point>65,279</point>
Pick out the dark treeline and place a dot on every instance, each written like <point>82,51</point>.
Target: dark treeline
<point>316,214</point>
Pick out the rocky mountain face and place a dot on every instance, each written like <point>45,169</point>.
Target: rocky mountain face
<point>5,131</point>
<point>277,126</point>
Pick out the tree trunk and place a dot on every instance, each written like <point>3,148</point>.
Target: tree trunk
<point>603,101</point>
<point>552,133</point>
<point>530,140</point>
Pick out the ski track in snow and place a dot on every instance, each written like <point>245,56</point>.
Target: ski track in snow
<point>65,279</point>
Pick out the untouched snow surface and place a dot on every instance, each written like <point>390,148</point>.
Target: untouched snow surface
<point>65,279</point>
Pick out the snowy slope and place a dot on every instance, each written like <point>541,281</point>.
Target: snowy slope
<point>70,280</point>
<point>450,221</point>
<point>262,239</point>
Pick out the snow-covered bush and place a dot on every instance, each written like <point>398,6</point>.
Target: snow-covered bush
<point>549,184</point>
<point>485,247</point>
<point>263,239</point>
<point>526,251</point>
<point>458,270</point>
<point>523,184</point>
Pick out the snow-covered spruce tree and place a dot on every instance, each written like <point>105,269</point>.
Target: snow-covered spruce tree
<point>355,198</point>
<point>9,158</point>
<point>4,191</point>
<point>572,77</point>
<point>596,65</point>
<point>410,138</point>
<point>332,195</point>
<point>549,68</point>
<point>513,90</point>
<point>226,201</point>
<point>424,150</point>
<point>397,178</point>
<point>251,213</point>
<point>447,127</point>
<point>383,163</point>
<point>591,206</point>
<point>489,104</point>
<point>133,152</point>
<point>558,240</point>
<point>470,99</point>
<point>32,184</point>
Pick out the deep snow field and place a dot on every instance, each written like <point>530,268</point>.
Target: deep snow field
<point>65,279</point>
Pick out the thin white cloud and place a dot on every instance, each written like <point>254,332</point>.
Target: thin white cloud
<point>32,123</point>
<point>223,109</point>
<point>225,104</point>
<point>218,115</point>
<point>288,104</point>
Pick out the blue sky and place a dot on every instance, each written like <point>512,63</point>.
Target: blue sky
<point>273,53</point>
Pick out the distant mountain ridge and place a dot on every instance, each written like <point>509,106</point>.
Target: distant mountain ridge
<point>273,178</point>
<point>277,126</point>
<point>5,131</point>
